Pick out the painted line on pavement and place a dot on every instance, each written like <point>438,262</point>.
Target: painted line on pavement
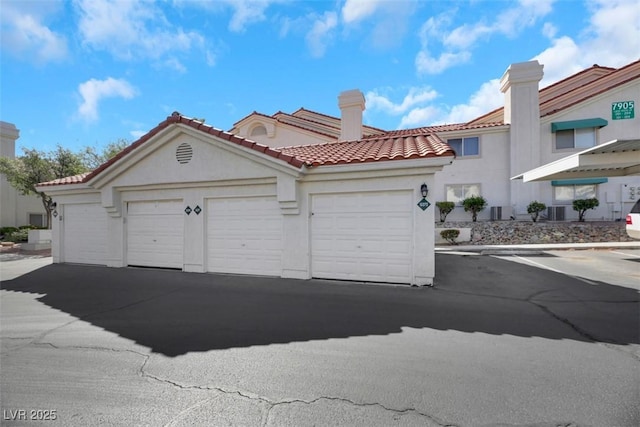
<point>537,264</point>
<point>622,253</point>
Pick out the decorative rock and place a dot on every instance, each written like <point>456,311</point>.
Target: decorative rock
<point>526,232</point>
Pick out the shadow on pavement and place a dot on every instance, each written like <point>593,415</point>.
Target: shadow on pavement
<point>174,313</point>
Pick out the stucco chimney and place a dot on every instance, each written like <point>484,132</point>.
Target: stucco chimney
<point>522,112</point>
<point>351,103</point>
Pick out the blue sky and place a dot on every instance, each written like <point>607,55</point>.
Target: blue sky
<point>88,72</point>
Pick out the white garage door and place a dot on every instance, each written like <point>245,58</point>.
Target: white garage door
<point>155,233</point>
<point>365,236</point>
<point>244,236</point>
<point>84,234</point>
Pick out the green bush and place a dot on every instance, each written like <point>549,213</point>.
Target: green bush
<point>474,204</point>
<point>7,230</point>
<point>450,235</point>
<point>18,236</point>
<point>582,205</point>
<point>535,208</point>
<point>28,227</point>
<point>445,209</point>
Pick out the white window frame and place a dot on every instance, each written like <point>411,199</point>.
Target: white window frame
<point>466,190</point>
<point>462,144</point>
<point>573,188</point>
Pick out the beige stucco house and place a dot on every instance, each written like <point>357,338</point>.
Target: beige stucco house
<point>16,209</point>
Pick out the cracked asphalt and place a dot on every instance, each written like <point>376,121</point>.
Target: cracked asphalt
<point>551,340</point>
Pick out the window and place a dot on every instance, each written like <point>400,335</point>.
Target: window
<point>465,146</point>
<point>259,130</point>
<point>575,138</point>
<point>37,220</point>
<point>457,192</point>
<point>566,194</point>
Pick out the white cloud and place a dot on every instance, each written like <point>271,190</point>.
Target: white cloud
<point>246,12</point>
<point>93,91</point>
<point>415,96</point>
<point>612,39</point>
<point>137,134</point>
<point>549,30</point>
<point>132,30</point>
<point>25,35</point>
<point>419,117</point>
<point>321,33</point>
<point>431,65</point>
<point>455,46</point>
<point>356,10</point>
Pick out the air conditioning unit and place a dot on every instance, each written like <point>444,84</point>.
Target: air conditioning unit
<point>556,213</point>
<point>496,213</point>
<point>499,213</point>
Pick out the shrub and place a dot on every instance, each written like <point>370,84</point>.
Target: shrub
<point>535,208</point>
<point>18,236</point>
<point>7,230</point>
<point>445,209</point>
<point>474,204</point>
<point>450,235</point>
<point>28,227</point>
<point>582,205</point>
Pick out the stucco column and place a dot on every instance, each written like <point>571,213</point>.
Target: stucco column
<point>522,112</point>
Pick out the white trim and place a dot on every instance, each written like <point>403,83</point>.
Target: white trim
<point>613,158</point>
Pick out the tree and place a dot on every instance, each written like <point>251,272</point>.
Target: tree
<point>535,208</point>
<point>445,209</point>
<point>474,204</point>
<point>92,159</point>
<point>34,167</point>
<point>582,205</point>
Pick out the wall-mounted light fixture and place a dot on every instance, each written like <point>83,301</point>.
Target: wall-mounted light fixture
<point>424,190</point>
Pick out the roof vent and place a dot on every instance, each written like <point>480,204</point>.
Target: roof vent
<point>184,153</point>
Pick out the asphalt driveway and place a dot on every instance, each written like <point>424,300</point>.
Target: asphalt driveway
<point>495,342</point>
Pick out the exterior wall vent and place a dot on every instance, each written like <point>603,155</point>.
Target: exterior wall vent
<point>184,153</point>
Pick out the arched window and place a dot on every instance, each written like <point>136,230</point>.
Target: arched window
<point>259,130</point>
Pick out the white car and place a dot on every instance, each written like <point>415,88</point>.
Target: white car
<point>633,221</point>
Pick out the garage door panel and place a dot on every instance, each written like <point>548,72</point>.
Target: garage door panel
<point>85,234</point>
<point>365,236</point>
<point>244,236</point>
<point>155,234</point>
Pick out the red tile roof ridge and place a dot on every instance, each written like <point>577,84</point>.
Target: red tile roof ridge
<point>337,119</point>
<point>74,179</point>
<point>177,118</point>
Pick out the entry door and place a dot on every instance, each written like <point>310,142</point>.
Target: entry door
<point>84,234</point>
<point>244,236</point>
<point>362,236</point>
<point>155,233</point>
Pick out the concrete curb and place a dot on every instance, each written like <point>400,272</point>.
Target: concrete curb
<point>530,248</point>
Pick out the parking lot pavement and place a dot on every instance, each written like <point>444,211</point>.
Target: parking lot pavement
<point>497,341</point>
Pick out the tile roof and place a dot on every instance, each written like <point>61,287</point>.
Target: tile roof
<point>411,144</point>
<point>443,128</point>
<point>372,149</point>
<point>312,121</point>
<point>75,179</point>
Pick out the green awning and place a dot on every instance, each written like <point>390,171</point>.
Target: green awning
<point>583,181</point>
<point>578,124</point>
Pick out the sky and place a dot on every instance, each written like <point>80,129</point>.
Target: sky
<point>84,73</point>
